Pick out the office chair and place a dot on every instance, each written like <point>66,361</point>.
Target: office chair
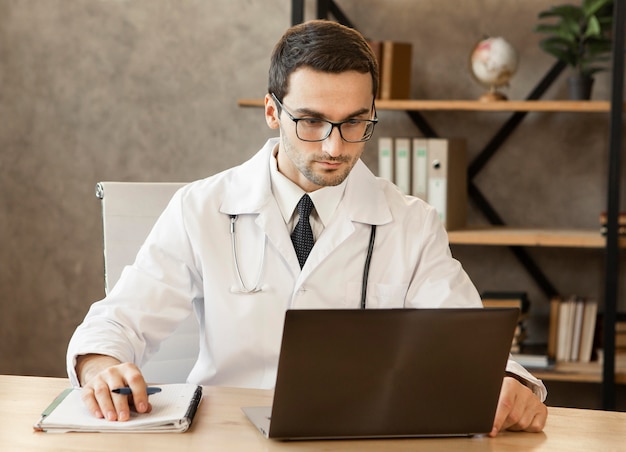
<point>129,210</point>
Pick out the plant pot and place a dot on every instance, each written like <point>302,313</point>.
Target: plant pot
<point>579,87</point>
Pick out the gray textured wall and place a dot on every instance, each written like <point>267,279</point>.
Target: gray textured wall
<point>146,90</point>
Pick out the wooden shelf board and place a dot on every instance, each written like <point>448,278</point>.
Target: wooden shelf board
<point>509,105</point>
<point>507,236</point>
<point>474,105</point>
<point>577,373</point>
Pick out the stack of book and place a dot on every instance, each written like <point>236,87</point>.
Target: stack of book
<point>621,223</point>
<point>433,169</point>
<point>394,62</point>
<point>511,300</point>
<point>572,329</point>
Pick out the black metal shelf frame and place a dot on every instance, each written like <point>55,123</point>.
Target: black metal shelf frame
<point>328,8</point>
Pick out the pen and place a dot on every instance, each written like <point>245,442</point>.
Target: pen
<point>127,391</point>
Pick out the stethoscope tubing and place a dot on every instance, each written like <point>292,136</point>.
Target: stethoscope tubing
<point>243,289</point>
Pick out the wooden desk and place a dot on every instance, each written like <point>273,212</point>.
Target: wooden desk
<point>220,425</point>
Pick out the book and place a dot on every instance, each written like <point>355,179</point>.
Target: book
<point>620,339</point>
<point>395,70</point>
<point>519,336</point>
<point>513,299</point>
<point>621,229</point>
<point>447,180</point>
<point>565,329</point>
<point>553,327</point>
<point>588,331</point>
<point>385,158</point>
<point>532,361</point>
<point>419,163</point>
<point>577,326</point>
<point>173,410</point>
<point>402,157</point>
<point>621,223</point>
<point>621,218</point>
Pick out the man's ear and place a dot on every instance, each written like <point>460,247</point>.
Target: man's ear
<point>271,113</point>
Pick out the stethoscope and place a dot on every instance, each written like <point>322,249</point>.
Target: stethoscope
<point>243,289</point>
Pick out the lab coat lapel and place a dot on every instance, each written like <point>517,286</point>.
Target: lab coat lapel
<point>250,192</point>
<point>363,202</point>
<point>249,189</point>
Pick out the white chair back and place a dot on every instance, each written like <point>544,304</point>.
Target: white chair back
<point>129,210</point>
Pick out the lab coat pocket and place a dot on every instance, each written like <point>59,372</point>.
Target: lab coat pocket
<point>378,295</point>
<point>387,296</point>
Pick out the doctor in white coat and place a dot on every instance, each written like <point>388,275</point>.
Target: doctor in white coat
<point>222,249</point>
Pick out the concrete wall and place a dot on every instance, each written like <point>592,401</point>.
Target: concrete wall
<point>146,90</point>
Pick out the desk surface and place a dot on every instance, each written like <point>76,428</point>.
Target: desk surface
<point>220,425</point>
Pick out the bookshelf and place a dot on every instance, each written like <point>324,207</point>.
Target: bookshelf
<point>501,235</point>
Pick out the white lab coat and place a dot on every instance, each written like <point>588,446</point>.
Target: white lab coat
<point>187,263</point>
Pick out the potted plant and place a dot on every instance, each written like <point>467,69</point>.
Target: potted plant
<point>580,37</point>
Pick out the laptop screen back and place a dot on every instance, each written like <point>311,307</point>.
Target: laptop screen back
<point>388,373</point>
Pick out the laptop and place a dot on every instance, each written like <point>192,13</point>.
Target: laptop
<point>384,373</point>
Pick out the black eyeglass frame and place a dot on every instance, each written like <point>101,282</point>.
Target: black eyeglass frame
<point>370,123</point>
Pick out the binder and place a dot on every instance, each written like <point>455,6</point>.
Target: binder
<point>447,180</point>
<point>402,156</point>
<point>419,163</point>
<point>385,158</point>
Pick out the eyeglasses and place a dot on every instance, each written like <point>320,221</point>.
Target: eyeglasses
<point>317,129</point>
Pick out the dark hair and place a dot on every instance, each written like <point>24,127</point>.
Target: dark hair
<point>321,45</point>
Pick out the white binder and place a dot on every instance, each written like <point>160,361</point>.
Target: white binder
<point>419,163</point>
<point>402,156</point>
<point>385,158</point>
<point>447,180</point>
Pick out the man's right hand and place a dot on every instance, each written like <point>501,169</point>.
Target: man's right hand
<point>99,374</point>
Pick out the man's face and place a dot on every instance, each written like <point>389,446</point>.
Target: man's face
<point>320,95</point>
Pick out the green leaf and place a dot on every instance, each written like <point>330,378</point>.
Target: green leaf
<point>591,7</point>
<point>569,12</point>
<point>593,28</point>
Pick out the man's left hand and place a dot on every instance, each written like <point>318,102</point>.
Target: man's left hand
<point>519,409</point>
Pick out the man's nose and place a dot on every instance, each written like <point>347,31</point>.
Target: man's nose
<point>333,144</point>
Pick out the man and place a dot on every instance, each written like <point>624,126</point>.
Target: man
<point>322,84</point>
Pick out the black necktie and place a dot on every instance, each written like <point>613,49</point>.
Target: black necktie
<point>302,235</point>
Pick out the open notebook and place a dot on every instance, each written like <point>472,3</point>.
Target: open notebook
<point>173,410</point>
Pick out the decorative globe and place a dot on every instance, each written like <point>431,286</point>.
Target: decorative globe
<point>493,62</point>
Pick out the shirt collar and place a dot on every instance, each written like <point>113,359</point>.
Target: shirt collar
<point>288,194</point>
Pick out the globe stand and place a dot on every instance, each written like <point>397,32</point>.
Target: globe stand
<point>492,95</point>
